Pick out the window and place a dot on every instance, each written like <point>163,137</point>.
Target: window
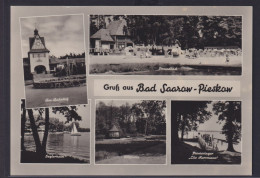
<point>121,45</point>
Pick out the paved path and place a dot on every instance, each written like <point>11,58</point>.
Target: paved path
<point>64,96</point>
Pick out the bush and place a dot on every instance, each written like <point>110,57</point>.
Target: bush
<point>100,137</point>
<point>100,155</point>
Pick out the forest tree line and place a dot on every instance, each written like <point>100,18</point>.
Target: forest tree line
<point>73,55</point>
<point>145,117</point>
<point>190,31</point>
<point>55,125</point>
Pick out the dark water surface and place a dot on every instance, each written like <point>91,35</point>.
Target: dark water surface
<point>193,70</point>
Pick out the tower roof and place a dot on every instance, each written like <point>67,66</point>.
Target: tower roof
<point>37,38</point>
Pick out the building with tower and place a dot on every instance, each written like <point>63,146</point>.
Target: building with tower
<point>38,54</point>
<point>39,61</point>
<point>115,36</point>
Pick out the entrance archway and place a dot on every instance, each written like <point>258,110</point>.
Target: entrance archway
<point>40,69</point>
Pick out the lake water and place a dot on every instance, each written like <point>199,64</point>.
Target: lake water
<point>64,144</point>
<point>192,70</point>
<point>217,135</point>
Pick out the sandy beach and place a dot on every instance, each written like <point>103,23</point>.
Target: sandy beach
<point>128,159</point>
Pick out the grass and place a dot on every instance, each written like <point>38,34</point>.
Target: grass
<point>32,157</point>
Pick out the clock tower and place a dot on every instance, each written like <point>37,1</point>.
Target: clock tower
<point>38,54</point>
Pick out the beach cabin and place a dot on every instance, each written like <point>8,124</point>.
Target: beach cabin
<point>114,132</point>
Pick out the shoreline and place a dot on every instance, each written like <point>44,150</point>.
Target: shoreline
<point>173,64</point>
<point>32,157</point>
<point>132,159</point>
<point>131,151</point>
<point>181,60</point>
<point>168,68</point>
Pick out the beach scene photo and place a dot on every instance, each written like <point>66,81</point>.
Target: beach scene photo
<point>55,135</point>
<point>165,45</point>
<point>206,132</point>
<point>130,132</point>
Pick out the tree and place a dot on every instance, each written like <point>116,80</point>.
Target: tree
<point>40,149</point>
<point>56,125</point>
<point>46,131</point>
<point>105,116</point>
<point>146,117</point>
<point>229,112</point>
<point>221,30</point>
<point>93,28</point>
<point>191,31</point>
<point>71,125</point>
<point>23,120</point>
<point>154,112</point>
<point>69,112</point>
<point>185,114</point>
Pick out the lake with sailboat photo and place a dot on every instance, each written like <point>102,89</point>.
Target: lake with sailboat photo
<point>55,135</point>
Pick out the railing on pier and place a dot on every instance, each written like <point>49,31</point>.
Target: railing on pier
<point>208,144</point>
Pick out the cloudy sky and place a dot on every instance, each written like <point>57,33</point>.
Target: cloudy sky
<point>63,34</point>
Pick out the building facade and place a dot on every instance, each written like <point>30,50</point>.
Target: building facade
<point>40,62</point>
<point>115,36</point>
<point>114,132</point>
<point>38,54</point>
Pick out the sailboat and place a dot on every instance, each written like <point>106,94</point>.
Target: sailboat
<point>74,131</point>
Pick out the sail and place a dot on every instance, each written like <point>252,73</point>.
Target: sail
<point>74,131</point>
<point>74,128</point>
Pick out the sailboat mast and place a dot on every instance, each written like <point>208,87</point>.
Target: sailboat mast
<point>72,129</point>
<point>75,128</point>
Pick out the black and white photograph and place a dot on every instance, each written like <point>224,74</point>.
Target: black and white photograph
<point>130,132</point>
<point>165,45</point>
<point>55,135</point>
<point>53,54</point>
<point>206,132</point>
